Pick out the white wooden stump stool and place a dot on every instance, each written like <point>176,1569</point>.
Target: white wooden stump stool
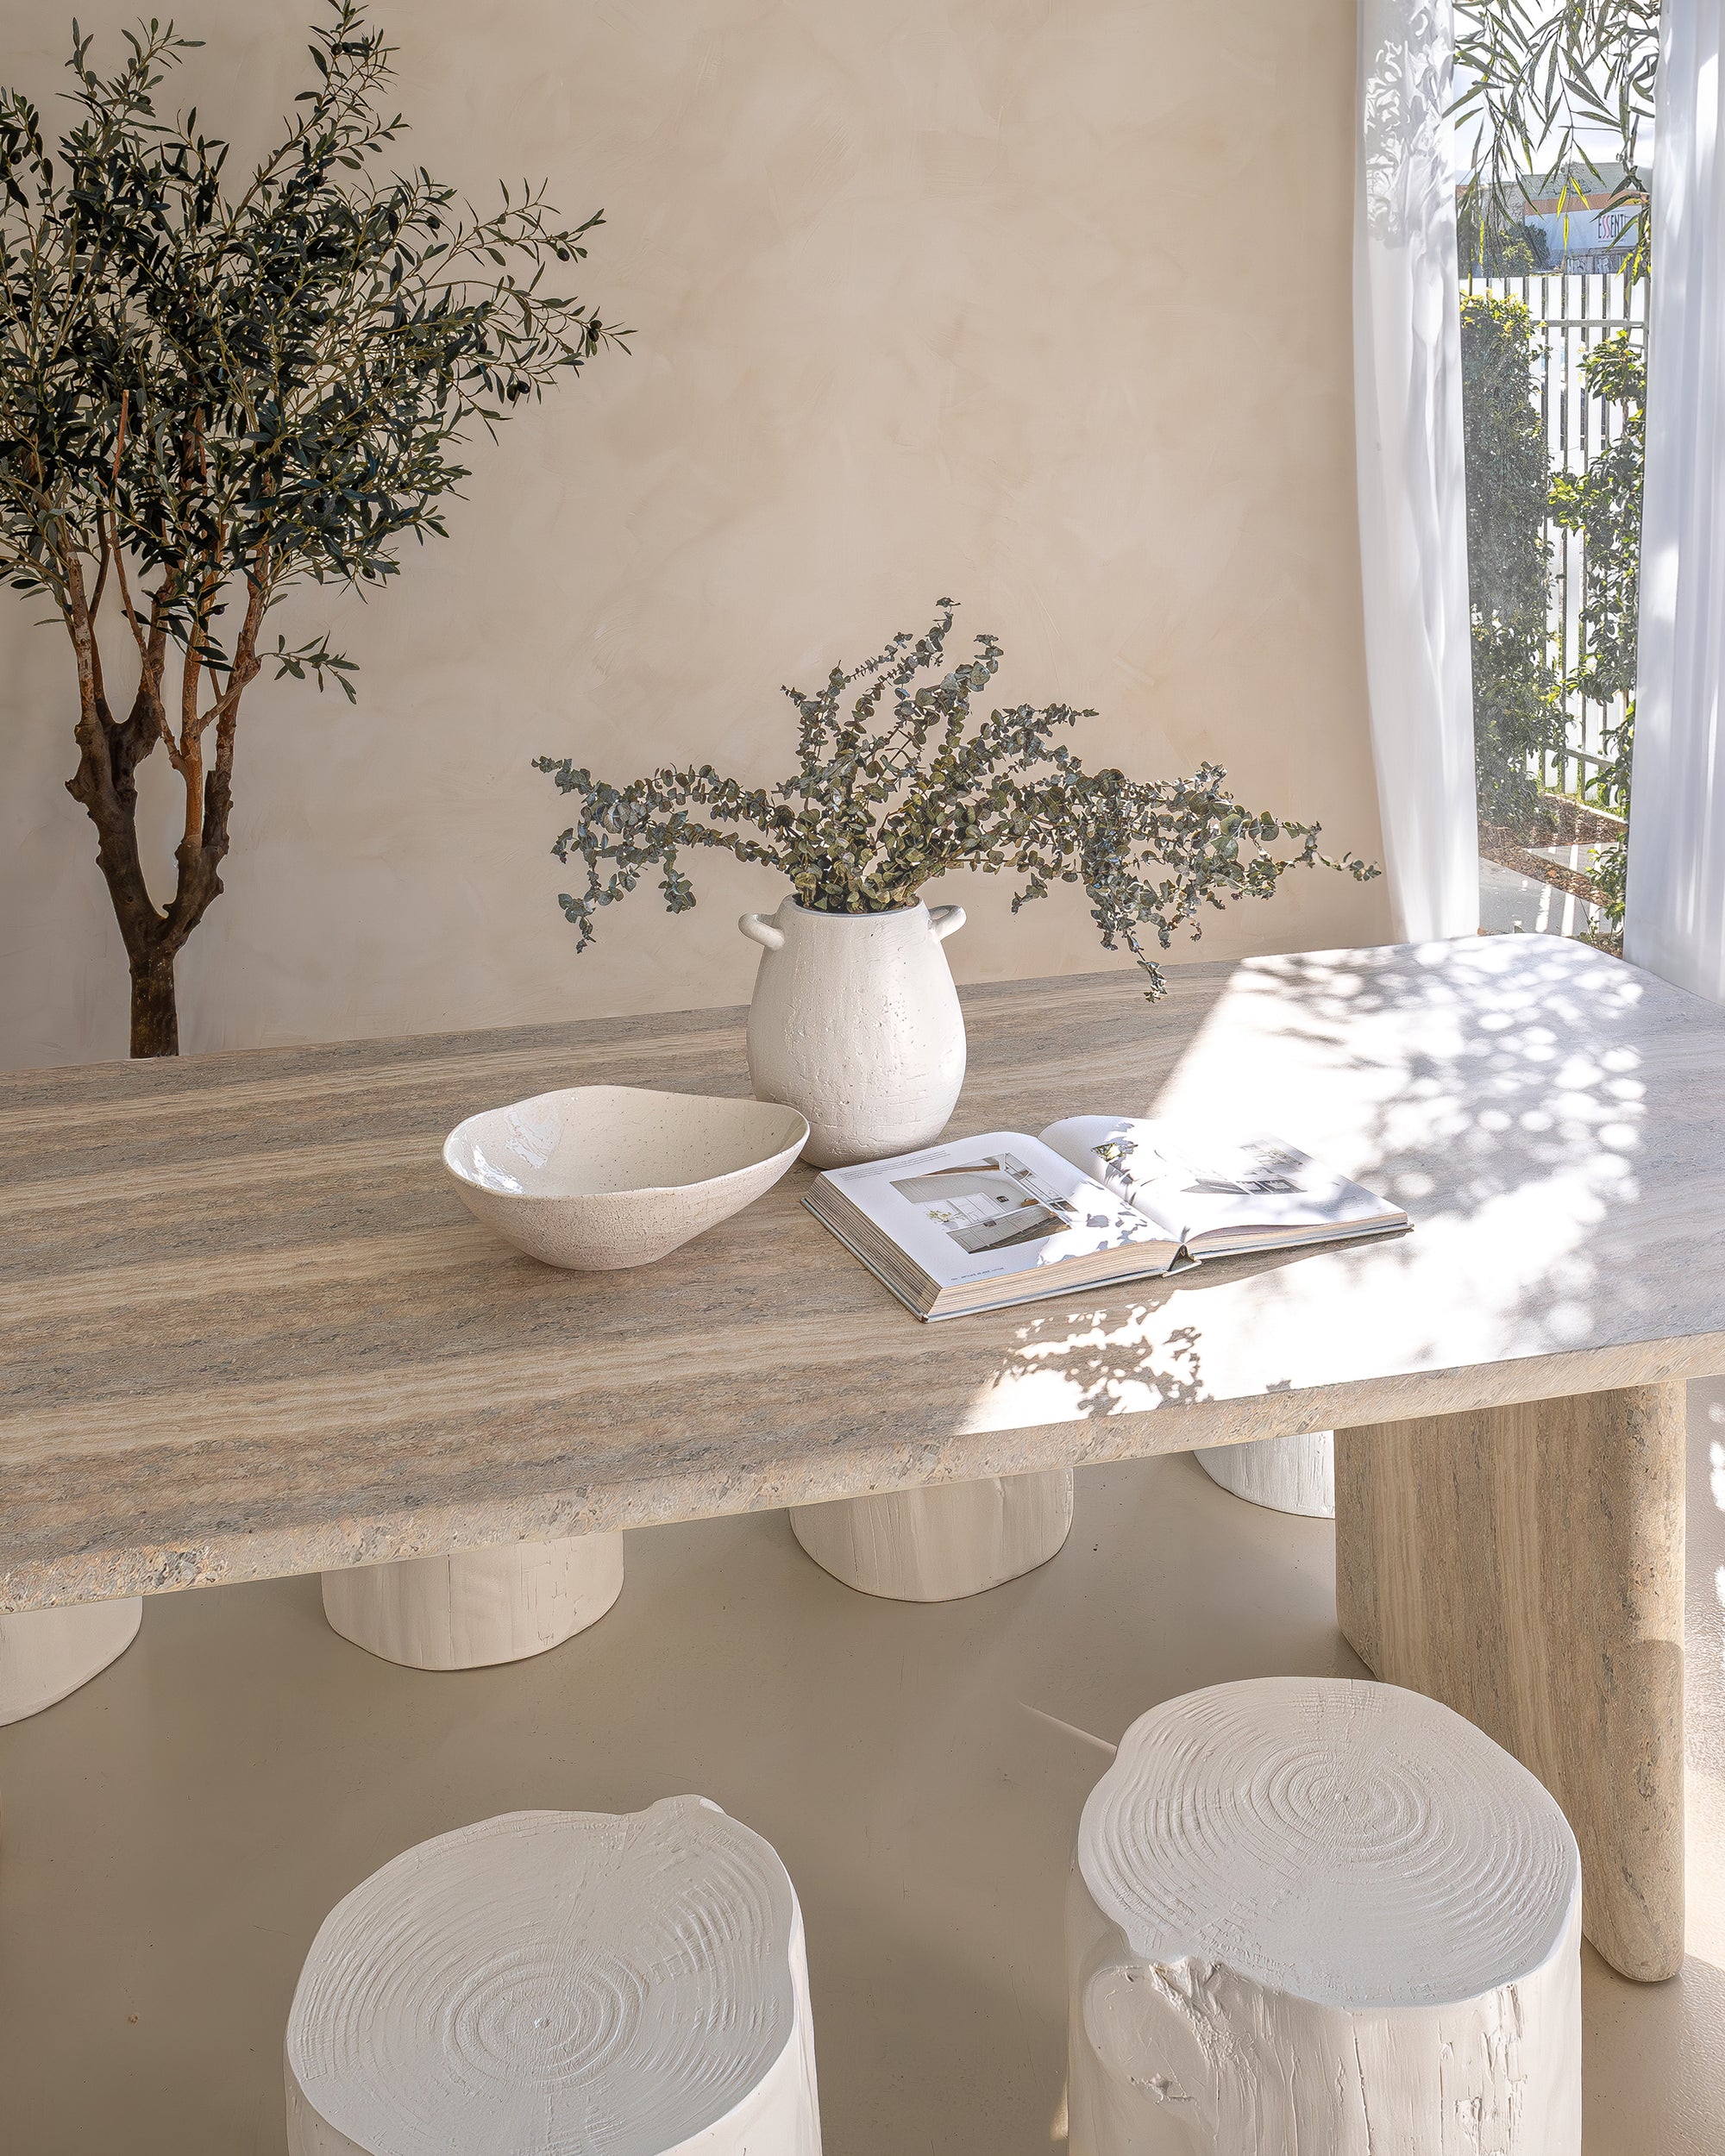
<point>46,1653</point>
<point>1311,1914</point>
<point>571,1983</point>
<point>1296,1475</point>
<point>475,1607</point>
<point>942,1541</point>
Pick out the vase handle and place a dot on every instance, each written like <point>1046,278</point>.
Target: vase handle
<point>760,929</point>
<point>944,919</point>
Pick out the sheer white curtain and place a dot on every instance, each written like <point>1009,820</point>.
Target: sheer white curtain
<point>1413,545</point>
<point>1413,519</point>
<point>1674,920</point>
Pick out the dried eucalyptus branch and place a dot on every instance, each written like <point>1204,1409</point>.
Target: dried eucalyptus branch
<point>904,786</point>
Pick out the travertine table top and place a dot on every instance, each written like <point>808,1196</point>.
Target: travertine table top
<point>250,1329</point>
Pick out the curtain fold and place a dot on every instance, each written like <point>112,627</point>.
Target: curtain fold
<point>1413,509</point>
<point>1674,915</point>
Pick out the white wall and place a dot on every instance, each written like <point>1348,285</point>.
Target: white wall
<point>929,295</point>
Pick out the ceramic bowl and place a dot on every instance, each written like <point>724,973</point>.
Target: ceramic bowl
<point>599,1178</point>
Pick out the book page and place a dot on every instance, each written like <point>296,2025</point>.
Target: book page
<point>1207,1187</point>
<point>988,1208</point>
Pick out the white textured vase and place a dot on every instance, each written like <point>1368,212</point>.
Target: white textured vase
<point>855,1023</point>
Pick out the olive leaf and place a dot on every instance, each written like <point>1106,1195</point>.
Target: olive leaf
<point>217,387</point>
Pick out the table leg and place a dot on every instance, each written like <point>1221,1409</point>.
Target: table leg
<point>942,1541</point>
<point>1524,1565</point>
<point>474,1608</point>
<point>1294,1475</point>
<point>45,1654</point>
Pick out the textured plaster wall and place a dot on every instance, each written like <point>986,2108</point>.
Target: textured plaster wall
<point>929,295</point>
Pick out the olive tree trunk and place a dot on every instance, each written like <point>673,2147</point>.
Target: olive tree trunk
<point>106,786</point>
<point>155,1016</point>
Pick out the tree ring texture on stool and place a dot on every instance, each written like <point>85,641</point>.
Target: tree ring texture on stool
<point>1310,1913</point>
<point>561,1984</point>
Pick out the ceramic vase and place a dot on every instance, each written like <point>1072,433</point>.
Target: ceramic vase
<point>855,1022</point>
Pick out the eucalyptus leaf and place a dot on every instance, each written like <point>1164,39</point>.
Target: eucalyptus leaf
<point>903,782</point>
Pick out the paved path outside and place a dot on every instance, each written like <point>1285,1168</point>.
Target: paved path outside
<point>1509,900</point>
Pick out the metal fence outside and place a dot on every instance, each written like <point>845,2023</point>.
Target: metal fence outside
<point>1572,314</point>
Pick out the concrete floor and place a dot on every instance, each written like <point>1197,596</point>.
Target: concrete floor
<point>174,1833</point>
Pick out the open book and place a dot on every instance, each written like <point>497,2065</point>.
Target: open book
<point>980,1223</point>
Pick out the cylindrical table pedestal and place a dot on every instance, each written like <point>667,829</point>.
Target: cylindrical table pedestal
<point>1294,1475</point>
<point>942,1541</point>
<point>475,1607</point>
<point>46,1653</point>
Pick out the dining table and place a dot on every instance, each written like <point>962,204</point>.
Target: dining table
<point>251,1331</point>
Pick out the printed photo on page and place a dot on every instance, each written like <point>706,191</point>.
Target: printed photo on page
<point>1218,1193</point>
<point>991,1206</point>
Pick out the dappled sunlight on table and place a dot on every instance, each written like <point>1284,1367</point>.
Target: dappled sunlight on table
<point>1531,1105</point>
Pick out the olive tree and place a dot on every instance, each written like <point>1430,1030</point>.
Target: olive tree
<point>210,393</point>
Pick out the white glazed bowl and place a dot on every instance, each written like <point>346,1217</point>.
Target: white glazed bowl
<point>598,1177</point>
